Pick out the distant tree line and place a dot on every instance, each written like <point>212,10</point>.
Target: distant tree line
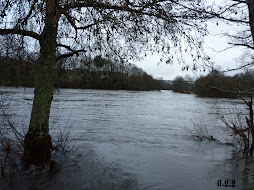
<point>17,72</point>
<point>183,84</point>
<point>216,84</point>
<point>97,73</point>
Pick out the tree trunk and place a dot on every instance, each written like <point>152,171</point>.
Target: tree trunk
<point>251,17</point>
<point>251,124</point>
<point>37,144</point>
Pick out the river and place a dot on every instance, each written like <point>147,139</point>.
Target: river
<point>135,140</point>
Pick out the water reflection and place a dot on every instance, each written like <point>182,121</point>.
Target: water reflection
<point>240,168</point>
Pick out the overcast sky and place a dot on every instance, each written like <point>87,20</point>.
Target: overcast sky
<point>225,60</point>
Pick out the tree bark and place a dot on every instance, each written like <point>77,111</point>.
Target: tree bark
<point>37,144</point>
<point>251,17</point>
<point>251,123</point>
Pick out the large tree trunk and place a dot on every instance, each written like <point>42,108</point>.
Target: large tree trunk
<point>251,124</point>
<point>37,145</point>
<point>251,17</point>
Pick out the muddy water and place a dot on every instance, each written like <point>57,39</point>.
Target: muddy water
<point>135,140</point>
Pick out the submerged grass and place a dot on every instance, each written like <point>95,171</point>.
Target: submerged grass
<point>199,130</point>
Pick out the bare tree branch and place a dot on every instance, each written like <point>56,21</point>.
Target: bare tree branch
<point>241,67</point>
<point>245,45</point>
<point>20,32</point>
<point>24,20</point>
<point>69,54</point>
<point>137,10</point>
<point>89,25</point>
<point>70,19</point>
<point>211,14</point>
<point>65,46</point>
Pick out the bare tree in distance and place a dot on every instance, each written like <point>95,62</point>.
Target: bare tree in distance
<point>64,28</point>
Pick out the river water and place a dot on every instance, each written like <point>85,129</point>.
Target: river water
<point>135,140</point>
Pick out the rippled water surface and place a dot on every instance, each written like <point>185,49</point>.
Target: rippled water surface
<point>135,140</point>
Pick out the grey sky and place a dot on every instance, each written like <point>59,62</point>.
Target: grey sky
<point>225,60</point>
